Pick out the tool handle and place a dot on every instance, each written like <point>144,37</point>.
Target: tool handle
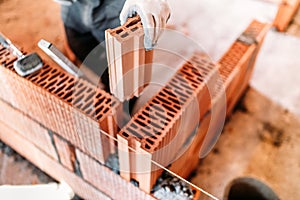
<point>59,58</point>
<point>65,2</point>
<point>66,64</point>
<point>9,45</point>
<point>3,41</point>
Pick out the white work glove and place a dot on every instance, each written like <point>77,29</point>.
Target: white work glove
<point>65,2</point>
<point>154,16</point>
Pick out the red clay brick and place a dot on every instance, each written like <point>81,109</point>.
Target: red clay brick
<point>130,65</point>
<point>107,181</point>
<point>66,152</point>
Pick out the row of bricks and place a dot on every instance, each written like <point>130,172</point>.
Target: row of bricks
<point>163,125</point>
<point>130,65</point>
<point>151,124</point>
<point>235,67</point>
<point>74,109</point>
<point>48,144</point>
<point>51,144</point>
<point>48,165</point>
<point>235,70</point>
<point>57,157</point>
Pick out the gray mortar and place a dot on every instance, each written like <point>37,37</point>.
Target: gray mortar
<point>168,187</point>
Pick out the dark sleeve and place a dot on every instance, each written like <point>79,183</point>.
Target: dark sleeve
<point>78,16</point>
<point>106,16</point>
<point>93,16</point>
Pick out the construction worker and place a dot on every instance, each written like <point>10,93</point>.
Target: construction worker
<point>86,20</point>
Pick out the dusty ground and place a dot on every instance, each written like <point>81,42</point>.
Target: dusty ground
<point>26,22</point>
<point>260,140</point>
<point>15,170</point>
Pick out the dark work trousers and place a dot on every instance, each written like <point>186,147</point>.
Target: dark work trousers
<point>85,22</point>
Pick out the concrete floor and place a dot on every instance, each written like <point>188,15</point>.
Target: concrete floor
<point>249,145</point>
<point>215,24</point>
<point>277,70</point>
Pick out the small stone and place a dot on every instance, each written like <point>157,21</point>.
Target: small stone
<point>177,189</point>
<point>167,189</point>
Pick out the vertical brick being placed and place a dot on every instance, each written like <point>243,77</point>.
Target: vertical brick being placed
<point>130,65</point>
<point>72,108</point>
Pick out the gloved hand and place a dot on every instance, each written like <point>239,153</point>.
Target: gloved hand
<point>154,16</point>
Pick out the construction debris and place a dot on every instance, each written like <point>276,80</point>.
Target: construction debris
<point>170,188</point>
